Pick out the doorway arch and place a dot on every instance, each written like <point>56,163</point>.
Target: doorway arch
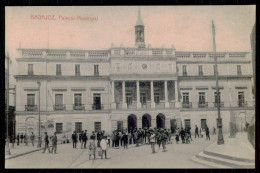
<point>131,122</point>
<point>146,121</point>
<point>160,121</point>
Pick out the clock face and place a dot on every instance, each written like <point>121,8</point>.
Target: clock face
<point>144,66</point>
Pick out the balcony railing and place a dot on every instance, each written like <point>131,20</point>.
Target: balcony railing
<point>242,103</point>
<point>30,72</point>
<point>31,107</point>
<point>131,105</point>
<point>221,104</point>
<point>58,73</point>
<point>97,107</point>
<point>79,107</point>
<point>59,107</point>
<point>160,105</point>
<point>187,105</point>
<point>203,105</point>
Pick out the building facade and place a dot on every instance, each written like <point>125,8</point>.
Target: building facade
<point>128,87</point>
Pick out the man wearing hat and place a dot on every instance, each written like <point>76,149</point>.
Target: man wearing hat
<point>164,138</point>
<point>152,140</point>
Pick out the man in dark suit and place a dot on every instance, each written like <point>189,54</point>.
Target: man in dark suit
<point>85,138</point>
<point>196,131</point>
<point>18,139</point>
<point>207,133</point>
<point>74,139</point>
<point>46,141</point>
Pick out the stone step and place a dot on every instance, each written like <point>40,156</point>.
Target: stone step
<point>228,157</point>
<point>207,163</point>
<point>225,162</point>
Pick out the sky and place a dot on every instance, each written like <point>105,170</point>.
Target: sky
<point>188,28</point>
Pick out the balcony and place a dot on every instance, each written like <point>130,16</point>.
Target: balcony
<point>59,107</point>
<point>146,105</point>
<point>132,105</point>
<point>160,104</point>
<point>31,107</point>
<point>30,72</point>
<point>79,107</point>
<point>58,74</point>
<point>187,105</point>
<point>97,107</point>
<point>242,103</point>
<point>203,105</point>
<point>221,104</point>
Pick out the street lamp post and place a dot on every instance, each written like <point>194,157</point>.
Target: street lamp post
<point>7,149</point>
<point>219,122</point>
<point>39,137</point>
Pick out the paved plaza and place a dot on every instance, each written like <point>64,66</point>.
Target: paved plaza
<point>177,156</point>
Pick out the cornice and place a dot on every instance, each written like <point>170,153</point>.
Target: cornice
<point>212,62</point>
<point>227,77</point>
<point>53,77</point>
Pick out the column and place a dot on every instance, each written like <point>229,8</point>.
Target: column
<point>138,94</point>
<point>166,94</point>
<point>153,122</point>
<point>124,105</point>
<point>177,102</point>
<point>113,104</point>
<point>152,95</point>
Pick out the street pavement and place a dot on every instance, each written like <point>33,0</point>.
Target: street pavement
<point>177,156</point>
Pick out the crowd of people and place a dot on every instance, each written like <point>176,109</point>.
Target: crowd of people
<point>101,141</point>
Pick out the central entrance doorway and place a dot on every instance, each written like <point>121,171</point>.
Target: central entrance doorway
<point>160,121</point>
<point>131,122</point>
<point>146,121</point>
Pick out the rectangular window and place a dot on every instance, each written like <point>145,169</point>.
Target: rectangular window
<point>187,123</point>
<point>118,67</point>
<point>157,98</point>
<point>77,70</point>
<point>77,99</point>
<point>241,99</point>
<point>202,97</point>
<point>216,98</point>
<point>30,69</point>
<point>58,127</point>
<point>203,123</point>
<point>239,71</point>
<point>117,51</point>
<point>58,99</point>
<point>184,72</point>
<point>186,98</point>
<point>200,70</point>
<point>97,126</point>
<point>58,69</point>
<point>30,99</point>
<point>78,127</point>
<point>119,125</point>
<point>96,70</point>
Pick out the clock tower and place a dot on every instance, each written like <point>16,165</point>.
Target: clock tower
<point>139,32</point>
